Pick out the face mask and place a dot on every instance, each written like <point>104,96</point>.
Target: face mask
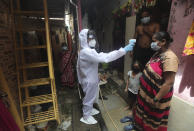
<point>92,43</point>
<point>145,20</point>
<point>135,69</point>
<point>154,46</point>
<point>64,48</point>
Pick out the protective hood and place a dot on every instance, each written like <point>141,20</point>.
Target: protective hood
<point>83,39</point>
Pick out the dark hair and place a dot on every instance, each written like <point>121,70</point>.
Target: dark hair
<point>91,32</point>
<point>146,10</point>
<point>163,35</point>
<point>139,64</point>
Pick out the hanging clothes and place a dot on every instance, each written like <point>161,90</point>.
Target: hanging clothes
<point>189,46</point>
<point>69,41</point>
<point>66,68</point>
<point>7,122</point>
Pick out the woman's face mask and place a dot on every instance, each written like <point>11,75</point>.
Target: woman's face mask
<point>145,20</point>
<point>92,43</point>
<point>154,46</point>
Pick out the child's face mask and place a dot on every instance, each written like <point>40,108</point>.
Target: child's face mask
<point>136,69</point>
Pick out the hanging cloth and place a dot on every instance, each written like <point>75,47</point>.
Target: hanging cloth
<point>7,122</point>
<point>66,68</point>
<point>189,46</point>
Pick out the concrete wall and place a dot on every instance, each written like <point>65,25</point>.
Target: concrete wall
<point>182,108</point>
<point>181,17</point>
<point>181,116</point>
<point>129,34</point>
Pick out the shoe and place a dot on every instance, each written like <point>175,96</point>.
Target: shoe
<point>94,112</point>
<point>90,120</point>
<point>129,127</point>
<point>126,119</point>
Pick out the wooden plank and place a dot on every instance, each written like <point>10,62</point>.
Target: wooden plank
<point>40,117</point>
<point>22,54</point>
<point>35,82</point>
<point>16,56</point>
<point>30,29</point>
<point>13,108</point>
<point>50,60</point>
<point>29,13</point>
<point>36,100</point>
<point>32,47</point>
<point>34,65</point>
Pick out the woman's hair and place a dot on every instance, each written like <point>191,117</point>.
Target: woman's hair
<point>162,35</point>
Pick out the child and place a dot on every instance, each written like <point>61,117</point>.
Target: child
<point>133,83</point>
<point>132,87</point>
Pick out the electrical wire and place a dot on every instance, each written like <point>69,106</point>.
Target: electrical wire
<point>105,108</point>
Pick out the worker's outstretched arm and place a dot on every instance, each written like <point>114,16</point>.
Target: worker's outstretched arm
<point>93,56</point>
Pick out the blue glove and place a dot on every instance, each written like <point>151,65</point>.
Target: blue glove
<point>132,41</point>
<point>130,46</point>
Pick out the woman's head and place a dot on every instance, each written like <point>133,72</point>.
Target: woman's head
<point>161,40</point>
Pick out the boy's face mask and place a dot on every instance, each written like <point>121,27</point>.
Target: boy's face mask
<point>145,20</point>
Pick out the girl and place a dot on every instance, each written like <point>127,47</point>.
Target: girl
<point>133,83</point>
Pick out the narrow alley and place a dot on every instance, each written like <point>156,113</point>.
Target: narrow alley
<point>96,65</point>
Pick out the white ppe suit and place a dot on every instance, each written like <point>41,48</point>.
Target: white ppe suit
<point>87,70</point>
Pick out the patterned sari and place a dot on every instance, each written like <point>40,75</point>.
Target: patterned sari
<point>66,68</point>
<point>148,118</point>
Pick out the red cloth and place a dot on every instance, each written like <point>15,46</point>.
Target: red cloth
<point>66,68</point>
<point>7,122</point>
<point>69,41</point>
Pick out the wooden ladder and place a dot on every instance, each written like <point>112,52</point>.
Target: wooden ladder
<point>26,101</point>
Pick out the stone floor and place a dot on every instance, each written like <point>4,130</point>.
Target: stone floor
<point>114,105</point>
<point>70,109</point>
<point>70,112</point>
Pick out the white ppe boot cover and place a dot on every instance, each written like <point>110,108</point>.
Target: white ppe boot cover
<point>90,120</point>
<point>94,112</point>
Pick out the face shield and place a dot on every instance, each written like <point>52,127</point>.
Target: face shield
<point>92,40</point>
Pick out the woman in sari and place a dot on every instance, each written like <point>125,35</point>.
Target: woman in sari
<point>154,97</point>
